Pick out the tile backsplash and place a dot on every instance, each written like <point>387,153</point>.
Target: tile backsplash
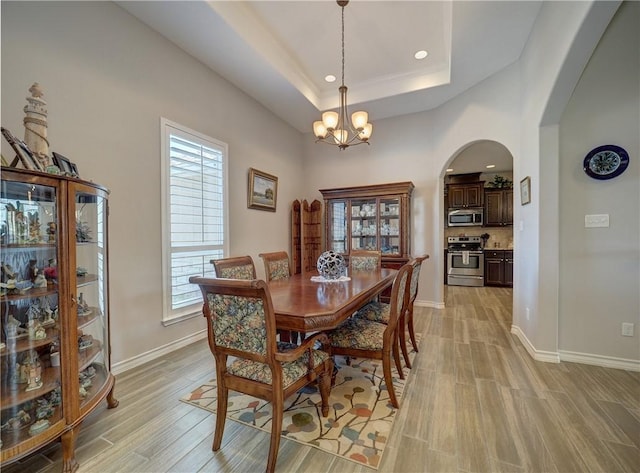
<point>499,237</point>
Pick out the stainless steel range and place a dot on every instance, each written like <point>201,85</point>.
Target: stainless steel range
<point>465,261</point>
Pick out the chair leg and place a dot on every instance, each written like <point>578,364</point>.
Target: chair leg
<point>403,346</point>
<point>324,383</point>
<point>396,354</point>
<point>221,415</point>
<point>276,430</point>
<point>388,380</point>
<point>412,333</point>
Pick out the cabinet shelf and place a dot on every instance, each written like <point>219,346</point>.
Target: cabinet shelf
<point>28,246</point>
<point>20,345</point>
<point>31,293</point>
<point>14,397</point>
<point>86,279</point>
<point>84,320</point>
<point>13,438</point>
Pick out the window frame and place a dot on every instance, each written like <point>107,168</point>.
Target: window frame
<point>168,128</point>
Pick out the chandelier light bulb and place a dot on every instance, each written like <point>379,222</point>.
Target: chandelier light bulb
<point>365,134</point>
<point>341,136</point>
<point>319,129</point>
<point>330,120</point>
<point>359,119</point>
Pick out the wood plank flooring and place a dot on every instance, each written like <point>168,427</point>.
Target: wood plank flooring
<point>474,402</point>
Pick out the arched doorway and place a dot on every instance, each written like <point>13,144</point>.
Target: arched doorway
<point>478,179</point>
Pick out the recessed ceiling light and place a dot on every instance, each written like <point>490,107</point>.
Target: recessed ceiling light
<point>421,54</point>
<point>330,78</point>
<point>490,166</point>
<point>450,170</point>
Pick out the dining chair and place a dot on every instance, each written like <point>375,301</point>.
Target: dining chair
<point>235,267</point>
<point>276,265</point>
<point>379,311</point>
<point>241,328</point>
<point>276,268</point>
<point>365,260</point>
<point>359,337</point>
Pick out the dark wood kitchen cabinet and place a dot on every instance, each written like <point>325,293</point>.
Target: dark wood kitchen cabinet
<point>498,207</point>
<point>462,196</point>
<point>498,268</point>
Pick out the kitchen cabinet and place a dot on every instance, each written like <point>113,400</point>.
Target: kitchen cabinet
<point>55,349</point>
<point>466,195</point>
<point>498,268</point>
<point>498,207</point>
<point>375,217</point>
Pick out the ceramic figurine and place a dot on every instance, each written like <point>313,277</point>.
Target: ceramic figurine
<point>35,126</point>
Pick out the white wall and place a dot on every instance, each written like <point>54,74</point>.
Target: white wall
<point>107,80</point>
<point>600,267</point>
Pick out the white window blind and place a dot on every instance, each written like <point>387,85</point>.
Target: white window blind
<point>195,214</point>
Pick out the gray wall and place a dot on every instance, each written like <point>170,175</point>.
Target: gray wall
<point>600,267</point>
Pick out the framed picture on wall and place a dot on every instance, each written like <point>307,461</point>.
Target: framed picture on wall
<point>525,191</point>
<point>262,191</point>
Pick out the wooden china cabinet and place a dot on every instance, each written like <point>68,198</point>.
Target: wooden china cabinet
<point>55,350</point>
<point>375,217</point>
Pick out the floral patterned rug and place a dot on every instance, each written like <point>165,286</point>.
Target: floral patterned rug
<point>360,415</point>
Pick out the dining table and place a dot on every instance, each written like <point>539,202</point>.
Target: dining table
<point>302,304</point>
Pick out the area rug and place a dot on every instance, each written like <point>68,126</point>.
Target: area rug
<point>360,414</point>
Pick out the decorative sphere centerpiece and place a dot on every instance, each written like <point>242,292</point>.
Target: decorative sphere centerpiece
<point>331,265</point>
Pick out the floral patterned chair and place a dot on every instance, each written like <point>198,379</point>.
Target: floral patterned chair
<point>365,260</point>
<point>241,329</point>
<point>276,265</point>
<point>379,311</point>
<point>237,267</point>
<point>359,337</point>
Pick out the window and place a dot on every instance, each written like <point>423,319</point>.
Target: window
<point>194,215</point>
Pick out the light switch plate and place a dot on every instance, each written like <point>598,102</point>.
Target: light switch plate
<point>599,220</point>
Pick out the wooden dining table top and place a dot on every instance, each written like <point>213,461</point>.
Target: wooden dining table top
<point>303,305</point>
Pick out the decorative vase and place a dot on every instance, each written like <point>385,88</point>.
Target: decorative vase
<point>331,265</point>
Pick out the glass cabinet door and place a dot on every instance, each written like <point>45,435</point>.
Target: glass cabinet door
<point>31,331</point>
<point>91,297</point>
<point>364,228</point>
<point>337,212</point>
<point>390,226</point>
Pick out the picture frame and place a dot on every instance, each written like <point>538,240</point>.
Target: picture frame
<point>23,153</point>
<point>74,170</point>
<point>525,191</point>
<point>63,163</point>
<point>262,191</point>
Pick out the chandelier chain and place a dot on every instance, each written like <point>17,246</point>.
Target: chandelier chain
<point>342,45</point>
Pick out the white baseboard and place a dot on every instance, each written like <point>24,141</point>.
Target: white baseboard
<point>432,304</point>
<point>575,357</point>
<point>122,366</point>
<point>599,360</point>
<point>539,355</point>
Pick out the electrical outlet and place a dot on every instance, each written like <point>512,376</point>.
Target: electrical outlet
<point>627,329</point>
<point>527,313</point>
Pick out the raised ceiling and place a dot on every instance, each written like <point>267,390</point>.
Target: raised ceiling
<point>279,52</point>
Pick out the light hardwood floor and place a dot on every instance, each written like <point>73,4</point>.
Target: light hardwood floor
<point>474,401</point>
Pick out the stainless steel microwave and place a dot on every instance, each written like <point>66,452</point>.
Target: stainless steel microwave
<point>465,217</point>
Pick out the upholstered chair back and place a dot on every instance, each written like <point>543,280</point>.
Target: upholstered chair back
<point>237,267</point>
<point>365,260</point>
<point>276,265</point>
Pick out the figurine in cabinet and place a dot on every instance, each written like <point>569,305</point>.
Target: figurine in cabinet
<point>34,227</point>
<point>51,232</point>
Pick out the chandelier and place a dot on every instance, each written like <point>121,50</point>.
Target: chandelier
<point>335,128</point>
